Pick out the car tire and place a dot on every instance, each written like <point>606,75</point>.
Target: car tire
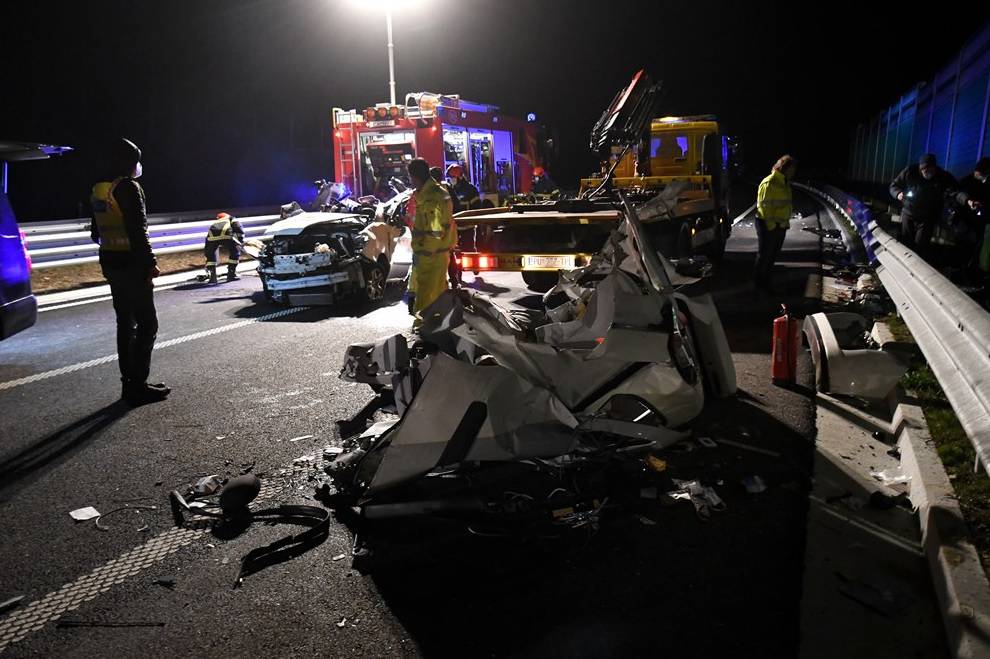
<point>541,282</point>
<point>375,278</point>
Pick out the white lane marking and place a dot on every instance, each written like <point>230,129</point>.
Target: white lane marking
<point>76,304</point>
<point>743,215</point>
<point>10,384</point>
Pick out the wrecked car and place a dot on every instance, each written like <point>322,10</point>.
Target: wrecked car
<point>518,416</point>
<point>323,258</point>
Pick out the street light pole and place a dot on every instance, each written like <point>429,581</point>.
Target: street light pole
<point>391,58</point>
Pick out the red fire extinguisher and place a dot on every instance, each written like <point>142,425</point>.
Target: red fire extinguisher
<point>785,348</point>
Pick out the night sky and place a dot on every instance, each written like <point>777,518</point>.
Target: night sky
<point>230,101</point>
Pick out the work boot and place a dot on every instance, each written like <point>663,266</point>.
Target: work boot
<point>212,271</point>
<point>232,272</point>
<point>144,393</point>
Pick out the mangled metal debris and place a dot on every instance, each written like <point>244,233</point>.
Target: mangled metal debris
<point>498,408</point>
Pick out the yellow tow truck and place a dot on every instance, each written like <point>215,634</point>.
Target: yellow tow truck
<point>686,163</point>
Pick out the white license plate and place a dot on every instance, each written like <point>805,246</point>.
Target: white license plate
<point>561,262</point>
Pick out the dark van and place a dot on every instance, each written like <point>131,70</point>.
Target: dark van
<point>18,308</point>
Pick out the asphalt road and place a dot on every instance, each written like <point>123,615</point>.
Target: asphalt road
<point>245,384</point>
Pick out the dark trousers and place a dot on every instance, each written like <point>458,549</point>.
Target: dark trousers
<point>137,322</point>
<point>916,233</point>
<point>212,251</point>
<point>769,243</point>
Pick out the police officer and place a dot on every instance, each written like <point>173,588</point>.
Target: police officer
<point>922,190</point>
<point>433,236</point>
<point>120,226</point>
<point>467,195</point>
<point>226,232</point>
<point>773,218</point>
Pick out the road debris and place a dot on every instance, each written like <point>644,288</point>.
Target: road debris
<point>84,514</point>
<point>891,477</point>
<point>165,582</point>
<point>207,485</point>
<point>100,518</point>
<point>339,557</point>
<point>754,484</point>
<point>749,447</point>
<point>11,603</point>
<point>655,463</point>
<point>707,442</point>
<point>332,452</point>
<point>704,498</point>
<point>301,437</point>
<point>342,623</point>
<point>645,521</point>
<point>304,459</point>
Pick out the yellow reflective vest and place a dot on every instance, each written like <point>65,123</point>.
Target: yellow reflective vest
<point>224,230</point>
<point>773,201</point>
<point>109,218</point>
<point>433,228</point>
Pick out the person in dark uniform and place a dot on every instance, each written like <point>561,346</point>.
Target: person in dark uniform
<point>453,267</point>
<point>120,226</point>
<point>226,232</point>
<point>976,241</point>
<point>467,195</point>
<point>542,183</point>
<point>923,190</point>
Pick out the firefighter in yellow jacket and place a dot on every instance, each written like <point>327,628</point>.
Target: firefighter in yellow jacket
<point>226,232</point>
<point>773,218</point>
<point>433,236</point>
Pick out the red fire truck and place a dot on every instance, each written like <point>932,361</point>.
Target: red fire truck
<point>497,152</point>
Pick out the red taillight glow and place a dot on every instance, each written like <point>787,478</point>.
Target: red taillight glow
<point>478,262</point>
<point>467,262</point>
<point>486,262</point>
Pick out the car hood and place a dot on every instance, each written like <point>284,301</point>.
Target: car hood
<point>296,224</point>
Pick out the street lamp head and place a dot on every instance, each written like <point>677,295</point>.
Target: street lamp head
<point>387,6</point>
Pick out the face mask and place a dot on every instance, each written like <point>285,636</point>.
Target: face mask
<point>137,171</point>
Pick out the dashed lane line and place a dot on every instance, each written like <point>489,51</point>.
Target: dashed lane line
<point>72,368</point>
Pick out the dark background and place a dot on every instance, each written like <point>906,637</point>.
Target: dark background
<point>230,101</point>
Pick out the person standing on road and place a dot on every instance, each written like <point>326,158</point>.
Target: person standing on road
<point>542,183</point>
<point>923,190</point>
<point>976,247</point>
<point>226,232</point>
<point>432,237</point>
<point>120,226</point>
<point>774,206</point>
<point>453,267</point>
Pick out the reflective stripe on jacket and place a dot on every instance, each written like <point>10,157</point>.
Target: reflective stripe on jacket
<point>109,218</point>
<point>224,230</point>
<point>433,229</point>
<point>773,201</point>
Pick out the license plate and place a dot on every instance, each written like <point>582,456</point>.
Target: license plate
<point>555,262</point>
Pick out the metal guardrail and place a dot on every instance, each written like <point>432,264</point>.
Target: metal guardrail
<point>951,329</point>
<point>69,243</point>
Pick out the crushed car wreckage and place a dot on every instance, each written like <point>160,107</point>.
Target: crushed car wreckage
<point>523,416</point>
<point>343,249</point>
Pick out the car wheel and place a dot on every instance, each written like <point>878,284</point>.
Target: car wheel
<point>374,283</point>
<point>541,282</point>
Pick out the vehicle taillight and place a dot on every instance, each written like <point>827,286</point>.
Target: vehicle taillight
<point>487,262</point>
<point>24,246</point>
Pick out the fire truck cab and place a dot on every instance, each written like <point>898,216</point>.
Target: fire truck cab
<point>497,152</point>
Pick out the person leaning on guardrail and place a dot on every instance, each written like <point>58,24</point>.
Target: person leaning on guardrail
<point>923,190</point>
<point>773,219</point>
<point>120,226</point>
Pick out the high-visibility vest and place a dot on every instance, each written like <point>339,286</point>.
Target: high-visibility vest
<point>109,218</point>
<point>221,230</point>
<point>773,201</point>
<point>433,229</point>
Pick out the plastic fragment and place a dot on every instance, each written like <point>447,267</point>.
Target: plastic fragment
<point>83,514</point>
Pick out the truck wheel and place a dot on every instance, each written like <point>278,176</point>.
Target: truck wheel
<point>374,283</point>
<point>541,282</point>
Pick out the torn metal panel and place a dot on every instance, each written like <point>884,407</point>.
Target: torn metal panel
<point>846,362</point>
<point>513,420</point>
